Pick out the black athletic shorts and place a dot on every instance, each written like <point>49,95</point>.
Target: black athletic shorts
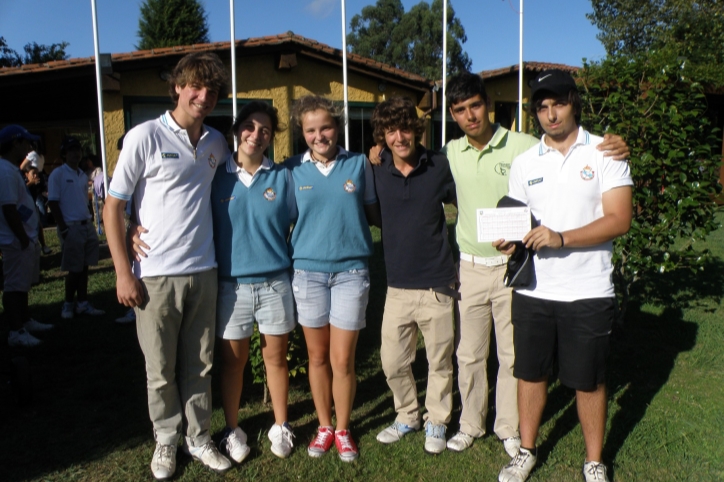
<point>576,332</point>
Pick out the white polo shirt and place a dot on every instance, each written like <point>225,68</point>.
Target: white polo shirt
<point>13,191</point>
<point>565,192</point>
<point>70,188</point>
<point>170,183</point>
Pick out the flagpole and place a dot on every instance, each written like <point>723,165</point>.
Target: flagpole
<point>444,71</point>
<point>233,69</point>
<point>344,75</point>
<point>520,72</point>
<point>99,92</point>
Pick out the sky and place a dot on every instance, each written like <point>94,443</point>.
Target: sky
<point>554,30</point>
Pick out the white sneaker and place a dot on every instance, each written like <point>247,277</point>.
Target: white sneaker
<point>594,472</point>
<point>234,444</point>
<point>67,312</point>
<point>163,463</point>
<point>46,250</point>
<point>434,438</point>
<point>511,444</point>
<point>129,317</point>
<point>85,308</point>
<point>459,442</point>
<point>208,455</point>
<point>395,432</point>
<point>22,338</point>
<point>35,325</point>
<point>281,439</point>
<point>519,467</point>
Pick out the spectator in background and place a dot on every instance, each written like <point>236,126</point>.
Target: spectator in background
<point>37,188</point>
<point>68,200</point>
<point>18,237</point>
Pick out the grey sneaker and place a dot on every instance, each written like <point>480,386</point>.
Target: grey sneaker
<point>395,432</point>
<point>34,325</point>
<point>67,311</point>
<point>511,444</point>
<point>129,317</point>
<point>460,441</point>
<point>163,463</point>
<point>22,338</point>
<point>234,444</point>
<point>85,308</point>
<point>594,472</point>
<point>208,455</point>
<point>281,438</point>
<point>519,467</point>
<point>434,438</point>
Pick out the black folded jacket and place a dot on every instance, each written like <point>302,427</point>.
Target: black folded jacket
<point>520,272</point>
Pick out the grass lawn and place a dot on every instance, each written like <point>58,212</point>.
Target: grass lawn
<point>88,420</point>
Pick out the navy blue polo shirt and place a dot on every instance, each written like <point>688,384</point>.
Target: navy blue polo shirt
<point>414,230</point>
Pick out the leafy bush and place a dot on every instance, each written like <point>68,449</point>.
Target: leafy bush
<point>661,112</point>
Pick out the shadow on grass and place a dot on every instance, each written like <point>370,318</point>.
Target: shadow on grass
<point>644,350</point>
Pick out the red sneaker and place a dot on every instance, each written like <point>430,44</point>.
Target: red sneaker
<point>345,445</point>
<point>322,442</point>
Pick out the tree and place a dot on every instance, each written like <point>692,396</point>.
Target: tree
<point>167,23</point>
<point>40,54</point>
<point>8,56</point>
<point>691,29</point>
<point>651,100</point>
<point>410,41</point>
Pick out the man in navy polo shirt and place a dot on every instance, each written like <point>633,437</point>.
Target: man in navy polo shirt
<point>412,184</point>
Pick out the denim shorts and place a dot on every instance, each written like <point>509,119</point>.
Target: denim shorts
<point>339,299</point>
<point>269,303</point>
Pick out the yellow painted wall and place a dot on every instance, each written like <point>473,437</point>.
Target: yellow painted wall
<point>505,89</point>
<point>257,78</point>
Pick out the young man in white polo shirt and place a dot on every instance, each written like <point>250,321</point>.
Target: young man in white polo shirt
<point>68,201</point>
<point>166,167</point>
<point>583,201</point>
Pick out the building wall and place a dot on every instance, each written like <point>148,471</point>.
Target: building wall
<point>257,78</point>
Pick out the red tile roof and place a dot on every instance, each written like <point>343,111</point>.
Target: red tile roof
<point>306,46</point>
<point>529,67</point>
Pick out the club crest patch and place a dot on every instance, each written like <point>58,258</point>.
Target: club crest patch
<point>533,182</point>
<point>587,174</point>
<point>212,161</point>
<point>228,199</point>
<point>269,194</point>
<point>349,186</point>
<point>169,155</point>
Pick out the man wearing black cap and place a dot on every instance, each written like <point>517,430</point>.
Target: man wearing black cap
<point>18,237</point>
<point>68,201</point>
<point>583,201</point>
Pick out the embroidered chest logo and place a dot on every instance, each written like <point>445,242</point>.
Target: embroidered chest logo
<point>502,168</point>
<point>587,174</point>
<point>212,161</point>
<point>533,182</point>
<point>269,194</point>
<point>349,186</point>
<point>305,188</point>
<point>228,199</point>
<point>169,155</point>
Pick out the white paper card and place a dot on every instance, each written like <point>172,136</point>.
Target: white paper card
<point>510,224</point>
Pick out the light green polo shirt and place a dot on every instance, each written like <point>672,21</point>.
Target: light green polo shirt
<point>481,179</point>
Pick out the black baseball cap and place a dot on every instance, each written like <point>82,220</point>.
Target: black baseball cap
<point>557,81</point>
<point>68,143</point>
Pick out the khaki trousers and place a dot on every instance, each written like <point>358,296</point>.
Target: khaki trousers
<point>406,311</point>
<point>176,328</point>
<point>485,302</point>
